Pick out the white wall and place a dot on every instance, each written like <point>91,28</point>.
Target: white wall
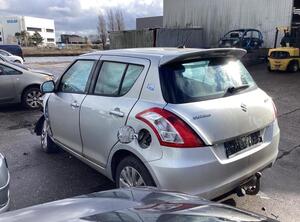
<point>43,24</point>
<point>217,17</point>
<point>9,25</point>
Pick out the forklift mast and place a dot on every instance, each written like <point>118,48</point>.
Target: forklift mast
<point>294,35</point>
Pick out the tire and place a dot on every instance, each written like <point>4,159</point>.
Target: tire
<point>133,163</point>
<point>47,144</point>
<point>31,98</point>
<point>269,67</point>
<point>293,66</point>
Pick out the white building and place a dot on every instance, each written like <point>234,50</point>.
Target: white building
<point>9,25</point>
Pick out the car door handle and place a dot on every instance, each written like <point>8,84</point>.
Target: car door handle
<point>116,112</point>
<point>75,105</point>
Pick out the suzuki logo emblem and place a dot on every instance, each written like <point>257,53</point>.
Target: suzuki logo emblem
<point>244,107</point>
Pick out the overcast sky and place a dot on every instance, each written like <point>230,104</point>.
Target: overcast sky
<point>80,16</point>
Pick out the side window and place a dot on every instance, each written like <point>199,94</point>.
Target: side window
<point>5,70</point>
<point>75,80</point>
<point>255,34</point>
<point>132,73</point>
<point>4,53</point>
<point>109,79</point>
<point>116,79</point>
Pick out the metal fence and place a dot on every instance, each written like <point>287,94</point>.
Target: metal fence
<point>163,37</point>
<point>131,39</point>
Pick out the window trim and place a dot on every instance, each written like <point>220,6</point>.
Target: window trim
<point>92,91</point>
<point>164,87</point>
<point>19,72</point>
<point>88,84</point>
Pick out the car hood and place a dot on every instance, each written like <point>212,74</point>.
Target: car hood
<point>135,204</point>
<point>41,72</point>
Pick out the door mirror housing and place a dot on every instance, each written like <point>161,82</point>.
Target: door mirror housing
<point>48,87</point>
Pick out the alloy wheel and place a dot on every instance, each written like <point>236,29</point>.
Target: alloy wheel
<point>33,99</point>
<point>130,177</point>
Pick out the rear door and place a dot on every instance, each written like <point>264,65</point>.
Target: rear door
<point>64,105</point>
<point>8,79</point>
<point>117,89</point>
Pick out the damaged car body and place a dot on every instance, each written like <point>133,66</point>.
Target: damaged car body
<point>190,120</point>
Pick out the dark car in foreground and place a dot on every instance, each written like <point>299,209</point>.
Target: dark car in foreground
<point>248,39</point>
<point>132,205</point>
<point>4,184</point>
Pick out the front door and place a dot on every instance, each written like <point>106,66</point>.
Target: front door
<point>64,105</point>
<point>7,84</point>
<point>106,110</point>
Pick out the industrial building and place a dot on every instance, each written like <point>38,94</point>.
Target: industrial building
<point>149,22</point>
<point>72,39</point>
<point>217,17</point>
<point>10,25</point>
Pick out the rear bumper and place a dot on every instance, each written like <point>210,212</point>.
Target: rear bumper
<point>279,64</point>
<point>201,172</point>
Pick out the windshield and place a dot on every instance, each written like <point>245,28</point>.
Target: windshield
<point>203,80</point>
<point>235,34</point>
<point>280,55</point>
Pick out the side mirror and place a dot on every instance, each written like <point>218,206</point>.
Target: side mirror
<point>1,70</point>
<point>48,87</point>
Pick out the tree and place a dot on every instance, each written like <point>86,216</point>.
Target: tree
<point>102,29</point>
<point>119,19</point>
<point>18,37</point>
<point>115,19</point>
<point>36,39</point>
<point>111,23</point>
<point>22,37</point>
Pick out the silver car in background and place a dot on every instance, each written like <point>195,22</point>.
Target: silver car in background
<point>21,85</point>
<point>10,57</point>
<point>4,184</point>
<point>189,120</point>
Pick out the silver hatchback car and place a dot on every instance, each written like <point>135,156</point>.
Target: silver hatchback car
<point>19,84</point>
<point>189,120</point>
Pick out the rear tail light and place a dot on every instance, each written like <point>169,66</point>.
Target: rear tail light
<point>275,110</point>
<point>170,129</point>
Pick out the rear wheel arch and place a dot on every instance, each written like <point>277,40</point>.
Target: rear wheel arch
<point>35,85</point>
<point>120,155</point>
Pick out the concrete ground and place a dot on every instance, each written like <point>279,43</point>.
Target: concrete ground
<point>37,177</point>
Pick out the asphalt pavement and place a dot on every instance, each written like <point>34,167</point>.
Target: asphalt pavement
<point>37,177</point>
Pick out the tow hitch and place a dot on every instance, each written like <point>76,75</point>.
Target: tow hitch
<point>251,186</point>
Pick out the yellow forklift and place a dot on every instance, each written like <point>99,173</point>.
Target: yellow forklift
<point>286,57</point>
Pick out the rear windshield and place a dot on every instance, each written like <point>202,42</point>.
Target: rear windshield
<point>203,79</point>
<point>280,55</point>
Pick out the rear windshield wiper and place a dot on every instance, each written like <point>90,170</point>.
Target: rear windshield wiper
<point>232,90</point>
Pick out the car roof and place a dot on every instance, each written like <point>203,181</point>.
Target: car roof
<point>170,55</point>
<point>243,30</point>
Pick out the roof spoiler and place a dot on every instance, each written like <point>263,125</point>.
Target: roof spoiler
<point>202,54</point>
